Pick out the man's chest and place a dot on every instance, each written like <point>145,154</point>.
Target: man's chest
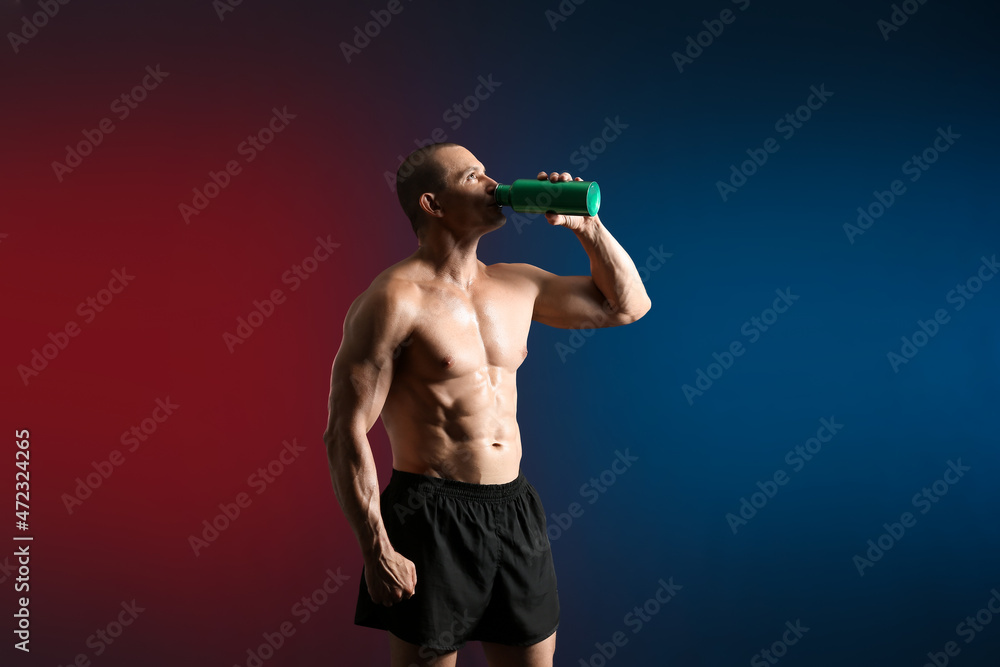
<point>459,333</point>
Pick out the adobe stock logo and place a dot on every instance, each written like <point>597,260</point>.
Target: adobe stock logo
<point>635,620</point>
<point>796,458</point>
<point>894,532</point>
<point>304,609</point>
<point>249,148</point>
<point>915,167</point>
<point>752,329</point>
<point>37,21</point>
<point>786,125</point>
<point>105,468</point>
<point>87,309</point>
<point>964,291</point>
<point>454,115</point>
<point>372,29</point>
<point>968,628</point>
<point>211,529</point>
<point>122,106</point>
<point>898,18</point>
<point>294,276</point>
<point>779,648</point>
<point>695,46</point>
<point>561,13</point>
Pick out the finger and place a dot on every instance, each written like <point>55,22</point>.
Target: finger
<point>565,176</point>
<point>554,176</point>
<point>542,175</point>
<point>577,179</point>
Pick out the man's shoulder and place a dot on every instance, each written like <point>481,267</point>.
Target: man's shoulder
<point>393,289</point>
<point>517,271</point>
<point>510,268</point>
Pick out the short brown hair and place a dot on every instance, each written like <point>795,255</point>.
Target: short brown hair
<point>419,173</point>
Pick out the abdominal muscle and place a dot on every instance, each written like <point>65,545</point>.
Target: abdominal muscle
<point>462,428</point>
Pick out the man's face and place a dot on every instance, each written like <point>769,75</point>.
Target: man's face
<point>467,202</point>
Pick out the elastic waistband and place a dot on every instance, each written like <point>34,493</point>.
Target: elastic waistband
<point>456,489</point>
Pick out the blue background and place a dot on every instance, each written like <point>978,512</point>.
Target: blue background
<point>825,357</point>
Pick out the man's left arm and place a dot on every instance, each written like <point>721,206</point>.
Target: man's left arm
<point>613,293</point>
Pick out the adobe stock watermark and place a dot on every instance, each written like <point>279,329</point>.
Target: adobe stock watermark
<point>248,149</point>
<point>105,468</point>
<point>223,7</point>
<point>926,330</point>
<point>106,635</point>
<point>455,115</point>
<point>696,45</point>
<point>969,629</point>
<point>635,620</point>
<point>900,14</point>
<point>459,624</point>
<point>787,126</point>
<point>779,648</point>
<point>581,159</point>
<point>294,277</point>
<point>30,25</point>
<point>577,338</point>
<point>752,329</point>
<point>229,512</point>
<point>796,458</point>
<point>923,501</point>
<point>88,310</point>
<point>416,498</point>
<point>362,35</point>
<point>7,570</point>
<point>561,13</point>
<point>303,610</point>
<point>914,168</point>
<point>452,467</point>
<point>559,523</point>
<point>122,106</point>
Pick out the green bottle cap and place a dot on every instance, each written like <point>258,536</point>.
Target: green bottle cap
<point>593,198</point>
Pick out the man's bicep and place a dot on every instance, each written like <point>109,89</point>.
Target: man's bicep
<point>362,369</point>
<point>566,302</point>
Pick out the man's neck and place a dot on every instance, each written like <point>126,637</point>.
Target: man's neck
<point>451,259</point>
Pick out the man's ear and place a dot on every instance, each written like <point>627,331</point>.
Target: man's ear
<point>429,202</point>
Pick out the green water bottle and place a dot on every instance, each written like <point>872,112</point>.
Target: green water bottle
<point>533,195</point>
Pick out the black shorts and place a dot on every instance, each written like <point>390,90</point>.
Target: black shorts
<point>483,562</point>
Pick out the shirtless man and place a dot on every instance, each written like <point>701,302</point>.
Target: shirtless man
<point>455,548</point>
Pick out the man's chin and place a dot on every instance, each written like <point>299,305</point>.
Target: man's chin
<point>498,220</point>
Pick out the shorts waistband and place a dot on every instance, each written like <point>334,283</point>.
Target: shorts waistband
<point>464,490</point>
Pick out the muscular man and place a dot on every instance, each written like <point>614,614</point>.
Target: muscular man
<point>455,548</point>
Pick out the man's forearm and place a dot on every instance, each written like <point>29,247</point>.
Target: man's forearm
<point>355,482</point>
<point>613,271</point>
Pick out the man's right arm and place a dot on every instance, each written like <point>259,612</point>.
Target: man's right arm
<point>376,324</point>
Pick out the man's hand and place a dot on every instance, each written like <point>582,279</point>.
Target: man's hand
<point>578,223</point>
<point>391,577</point>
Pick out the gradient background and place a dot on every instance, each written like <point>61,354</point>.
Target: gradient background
<point>323,176</point>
